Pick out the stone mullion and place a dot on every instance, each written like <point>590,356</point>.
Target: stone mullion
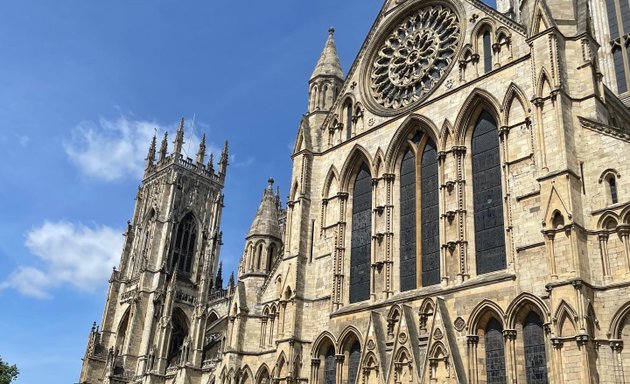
<point>441,157</point>
<point>375,262</point>
<point>472,342</point>
<point>389,237</point>
<point>338,280</point>
<point>460,153</point>
<point>505,180</point>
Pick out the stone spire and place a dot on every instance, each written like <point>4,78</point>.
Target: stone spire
<point>178,143</point>
<point>163,147</point>
<point>328,63</point>
<point>151,155</point>
<point>326,79</point>
<point>201,154</point>
<point>266,221</point>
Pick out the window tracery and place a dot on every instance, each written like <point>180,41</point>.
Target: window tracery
<point>414,57</point>
<point>184,245</point>
<point>360,256</point>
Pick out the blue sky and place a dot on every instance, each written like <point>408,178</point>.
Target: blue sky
<point>83,86</point>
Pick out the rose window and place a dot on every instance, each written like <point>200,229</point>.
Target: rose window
<point>414,57</point>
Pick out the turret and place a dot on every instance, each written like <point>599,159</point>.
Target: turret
<point>263,240</point>
<point>326,79</point>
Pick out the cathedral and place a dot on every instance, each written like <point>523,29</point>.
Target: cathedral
<point>459,212</point>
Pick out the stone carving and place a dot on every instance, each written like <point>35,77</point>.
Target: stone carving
<point>414,57</point>
<point>437,334</point>
<point>459,324</point>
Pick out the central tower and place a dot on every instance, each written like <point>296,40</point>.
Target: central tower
<point>155,314</point>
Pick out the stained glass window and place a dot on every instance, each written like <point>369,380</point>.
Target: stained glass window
<point>408,222</point>
<point>330,368</point>
<point>353,362</point>
<point>535,357</point>
<point>488,197</point>
<point>487,52</point>
<point>430,216</point>
<point>495,353</point>
<point>360,256</point>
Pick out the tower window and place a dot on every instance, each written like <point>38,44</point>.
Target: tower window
<point>184,244</point>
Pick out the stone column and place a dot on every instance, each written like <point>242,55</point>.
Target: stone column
<point>510,354</point>
<point>472,341</point>
<point>314,371</point>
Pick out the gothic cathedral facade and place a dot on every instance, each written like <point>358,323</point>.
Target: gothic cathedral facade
<point>459,212</point>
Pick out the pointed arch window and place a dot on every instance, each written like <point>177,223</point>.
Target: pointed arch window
<point>183,248</point>
<point>618,12</point>
<point>534,348</point>
<point>179,332</point>
<point>360,253</point>
<point>487,51</point>
<point>612,189</point>
<point>330,368</point>
<point>487,196</point>
<point>354,358</point>
<point>495,353</point>
<point>422,174</point>
<point>348,118</point>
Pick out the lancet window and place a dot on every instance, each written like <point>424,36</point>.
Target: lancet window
<point>488,196</point>
<point>534,349</point>
<point>183,248</point>
<point>419,215</point>
<point>360,256</point>
<point>495,353</point>
<point>330,369</point>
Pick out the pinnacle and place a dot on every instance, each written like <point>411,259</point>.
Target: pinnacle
<point>266,222</point>
<point>328,63</point>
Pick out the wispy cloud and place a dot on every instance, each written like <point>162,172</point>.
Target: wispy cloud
<point>68,254</point>
<point>111,150</point>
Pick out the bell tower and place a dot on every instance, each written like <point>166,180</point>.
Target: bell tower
<point>155,313</point>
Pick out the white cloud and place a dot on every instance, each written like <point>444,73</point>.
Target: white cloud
<point>69,254</point>
<point>114,149</point>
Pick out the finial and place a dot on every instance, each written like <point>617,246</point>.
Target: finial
<point>201,154</point>
<point>151,155</point>
<point>224,159</point>
<point>331,31</point>
<point>211,163</point>
<point>270,182</point>
<point>179,138</point>
<point>163,147</point>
